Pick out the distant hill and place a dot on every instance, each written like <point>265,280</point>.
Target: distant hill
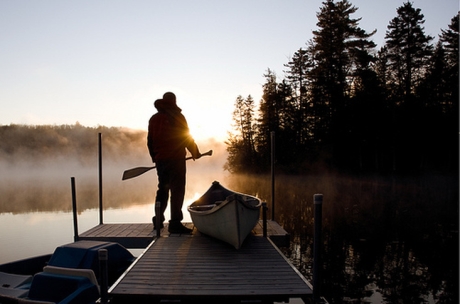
<point>19,143</point>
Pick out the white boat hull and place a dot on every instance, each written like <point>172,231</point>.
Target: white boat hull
<point>230,220</point>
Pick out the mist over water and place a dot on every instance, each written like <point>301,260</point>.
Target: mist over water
<point>35,183</point>
<point>36,171</point>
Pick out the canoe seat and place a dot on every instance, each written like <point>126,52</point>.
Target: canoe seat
<point>64,286</point>
<point>87,273</point>
<point>84,255</point>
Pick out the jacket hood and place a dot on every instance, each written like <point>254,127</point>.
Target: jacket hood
<point>163,105</point>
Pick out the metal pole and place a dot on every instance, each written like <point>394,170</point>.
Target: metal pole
<point>264,219</point>
<point>272,136</point>
<point>103,257</point>
<point>74,210</point>
<point>318,202</point>
<point>100,180</point>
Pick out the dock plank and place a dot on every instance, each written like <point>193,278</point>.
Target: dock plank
<point>134,235</point>
<point>200,267</point>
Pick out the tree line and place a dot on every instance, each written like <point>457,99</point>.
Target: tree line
<point>345,105</point>
<point>37,143</point>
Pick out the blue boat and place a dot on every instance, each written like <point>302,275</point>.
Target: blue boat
<point>72,274</point>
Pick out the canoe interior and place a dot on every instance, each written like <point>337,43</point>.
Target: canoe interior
<point>217,195</point>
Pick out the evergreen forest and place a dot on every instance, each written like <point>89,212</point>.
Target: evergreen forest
<point>345,105</point>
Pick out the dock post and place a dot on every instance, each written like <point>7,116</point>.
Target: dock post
<point>100,180</point>
<point>103,257</point>
<point>74,209</point>
<point>158,218</point>
<point>264,219</point>
<point>318,202</point>
<point>272,137</point>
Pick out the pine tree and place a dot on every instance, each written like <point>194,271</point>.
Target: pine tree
<point>433,89</point>
<point>241,144</point>
<point>408,50</point>
<point>450,108</point>
<point>342,55</point>
<point>299,66</point>
<point>450,43</point>
<point>269,117</point>
<point>277,113</point>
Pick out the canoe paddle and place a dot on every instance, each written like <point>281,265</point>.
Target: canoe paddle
<point>130,173</point>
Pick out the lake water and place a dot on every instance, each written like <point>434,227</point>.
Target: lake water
<point>385,240</point>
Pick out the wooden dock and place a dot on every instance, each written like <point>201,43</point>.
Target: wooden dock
<point>191,268</point>
<point>141,235</point>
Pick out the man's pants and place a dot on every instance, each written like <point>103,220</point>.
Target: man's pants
<point>171,178</point>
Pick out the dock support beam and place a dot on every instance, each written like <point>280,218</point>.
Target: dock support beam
<point>264,219</point>
<point>317,263</point>
<point>272,137</point>
<point>100,181</point>
<point>103,258</point>
<point>74,209</point>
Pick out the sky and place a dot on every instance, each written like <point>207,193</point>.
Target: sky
<point>105,62</point>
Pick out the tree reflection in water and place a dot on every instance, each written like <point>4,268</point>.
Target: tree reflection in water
<point>385,240</point>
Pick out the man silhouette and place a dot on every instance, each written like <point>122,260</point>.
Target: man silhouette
<point>167,140</point>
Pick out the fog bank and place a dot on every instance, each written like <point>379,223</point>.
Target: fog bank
<point>37,163</point>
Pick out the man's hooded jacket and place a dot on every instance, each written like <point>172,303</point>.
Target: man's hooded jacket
<point>168,134</point>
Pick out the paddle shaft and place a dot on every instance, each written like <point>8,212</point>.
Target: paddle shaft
<point>130,173</point>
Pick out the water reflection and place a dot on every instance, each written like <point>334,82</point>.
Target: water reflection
<point>55,195</point>
<point>385,240</point>
<point>36,233</point>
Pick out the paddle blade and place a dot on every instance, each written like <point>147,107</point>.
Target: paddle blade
<point>130,173</point>
<point>209,153</point>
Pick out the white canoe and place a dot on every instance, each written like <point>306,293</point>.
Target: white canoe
<point>225,214</point>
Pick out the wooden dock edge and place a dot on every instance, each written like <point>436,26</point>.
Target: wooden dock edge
<point>275,232</point>
<point>306,299</point>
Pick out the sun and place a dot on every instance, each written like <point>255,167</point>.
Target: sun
<point>207,124</point>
